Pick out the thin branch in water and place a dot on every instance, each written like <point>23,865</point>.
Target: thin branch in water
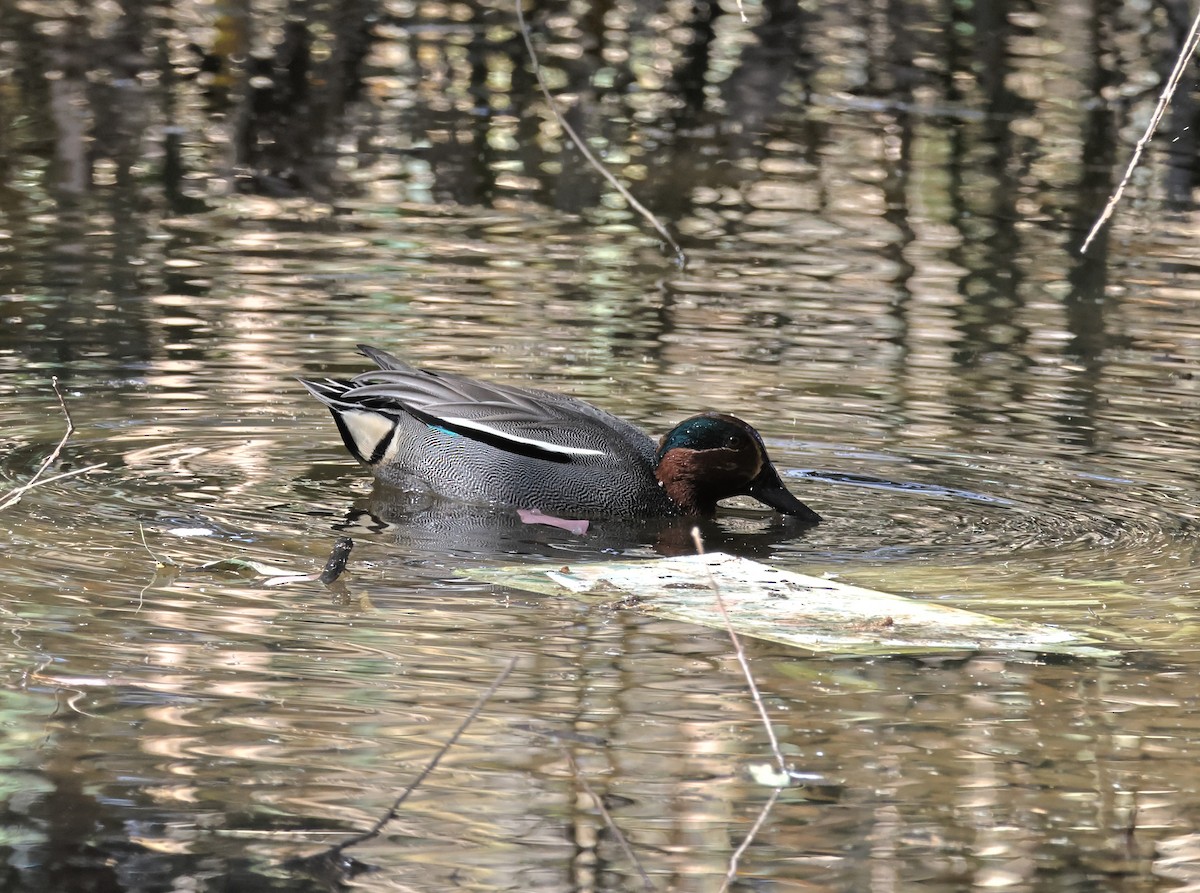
<point>647,215</point>
<point>741,656</point>
<point>158,562</point>
<point>608,819</point>
<point>334,853</point>
<point>158,565</point>
<point>731,874</point>
<point>1189,47</point>
<point>13,497</point>
<point>74,472</point>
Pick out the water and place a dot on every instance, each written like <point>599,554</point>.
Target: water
<point>881,216</point>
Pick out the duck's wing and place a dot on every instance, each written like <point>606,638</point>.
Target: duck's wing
<point>524,421</point>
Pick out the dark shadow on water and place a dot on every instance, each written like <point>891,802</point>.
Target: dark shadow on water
<point>71,839</point>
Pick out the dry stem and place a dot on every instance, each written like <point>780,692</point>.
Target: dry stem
<point>392,812</point>
<point>731,874</point>
<point>37,480</point>
<point>741,656</point>
<point>1189,47</point>
<point>680,257</point>
<point>608,819</point>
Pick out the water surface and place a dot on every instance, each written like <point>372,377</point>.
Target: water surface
<point>881,216</point>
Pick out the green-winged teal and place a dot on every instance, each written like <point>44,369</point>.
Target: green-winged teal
<point>480,442</point>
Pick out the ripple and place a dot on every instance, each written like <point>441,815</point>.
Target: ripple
<point>987,510</point>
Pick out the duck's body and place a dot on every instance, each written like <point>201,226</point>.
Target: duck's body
<point>480,442</point>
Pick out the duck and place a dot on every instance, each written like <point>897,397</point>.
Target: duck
<point>479,442</point>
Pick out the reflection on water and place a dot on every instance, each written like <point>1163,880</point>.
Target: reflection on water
<point>200,202</point>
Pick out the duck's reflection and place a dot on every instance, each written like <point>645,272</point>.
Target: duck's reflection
<point>425,524</point>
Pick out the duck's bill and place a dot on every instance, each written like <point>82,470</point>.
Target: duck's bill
<point>768,489</point>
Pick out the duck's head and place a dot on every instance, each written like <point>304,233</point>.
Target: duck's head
<point>714,456</point>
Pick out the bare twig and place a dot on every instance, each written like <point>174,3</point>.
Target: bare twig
<point>741,656</point>
<point>731,874</point>
<point>13,497</point>
<point>608,819</point>
<point>158,562</point>
<point>1189,47</point>
<point>680,257</point>
<point>335,852</point>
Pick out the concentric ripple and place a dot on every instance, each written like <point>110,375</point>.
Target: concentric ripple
<point>1113,522</point>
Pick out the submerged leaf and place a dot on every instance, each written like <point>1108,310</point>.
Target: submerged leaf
<point>239,564</point>
<point>808,612</point>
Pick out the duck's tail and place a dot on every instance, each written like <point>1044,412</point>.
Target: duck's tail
<point>329,391</point>
<point>368,434</point>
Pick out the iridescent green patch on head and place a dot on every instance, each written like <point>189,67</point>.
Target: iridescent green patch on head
<point>711,431</point>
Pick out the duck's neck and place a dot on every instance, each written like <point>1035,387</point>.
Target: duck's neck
<point>679,474</point>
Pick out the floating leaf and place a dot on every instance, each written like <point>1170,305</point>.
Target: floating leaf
<point>244,564</point>
<point>816,614</point>
<point>276,576</point>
